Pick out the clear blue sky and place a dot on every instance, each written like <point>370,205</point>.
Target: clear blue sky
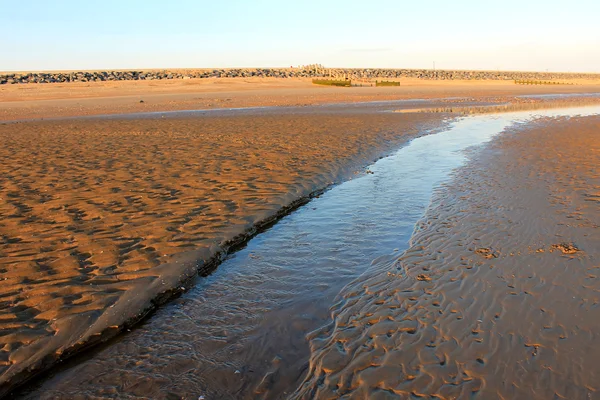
<point>461,34</point>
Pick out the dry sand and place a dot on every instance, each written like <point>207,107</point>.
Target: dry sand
<point>498,295</point>
<point>70,99</point>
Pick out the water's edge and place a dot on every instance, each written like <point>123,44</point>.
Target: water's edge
<point>310,385</point>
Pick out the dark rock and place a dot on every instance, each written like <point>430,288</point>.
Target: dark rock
<point>309,71</point>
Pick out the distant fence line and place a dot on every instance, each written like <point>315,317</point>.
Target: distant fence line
<point>534,82</point>
<point>387,83</point>
<point>332,82</point>
<point>311,71</point>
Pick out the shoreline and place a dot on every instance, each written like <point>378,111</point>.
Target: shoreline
<point>186,280</point>
<point>167,279</point>
<point>65,382</point>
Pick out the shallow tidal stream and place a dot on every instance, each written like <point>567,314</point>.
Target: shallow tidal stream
<point>240,332</point>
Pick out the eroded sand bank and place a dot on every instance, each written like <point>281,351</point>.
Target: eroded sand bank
<point>498,295</point>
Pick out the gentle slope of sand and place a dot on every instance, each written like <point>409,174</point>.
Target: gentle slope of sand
<point>498,295</point>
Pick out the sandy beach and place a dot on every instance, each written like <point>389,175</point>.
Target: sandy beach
<point>299,200</point>
<point>102,219</point>
<point>96,98</point>
<point>498,295</point>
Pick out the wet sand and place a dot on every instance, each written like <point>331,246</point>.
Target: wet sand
<point>498,295</point>
<point>102,219</point>
<point>240,332</point>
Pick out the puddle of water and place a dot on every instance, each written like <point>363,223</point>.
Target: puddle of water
<point>559,95</point>
<point>469,109</point>
<point>241,331</point>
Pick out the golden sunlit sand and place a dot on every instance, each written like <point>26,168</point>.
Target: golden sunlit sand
<point>93,98</point>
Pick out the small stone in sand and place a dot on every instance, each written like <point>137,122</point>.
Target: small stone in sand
<point>486,253</point>
<point>566,248</point>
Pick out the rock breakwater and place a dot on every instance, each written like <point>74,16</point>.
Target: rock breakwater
<point>304,72</point>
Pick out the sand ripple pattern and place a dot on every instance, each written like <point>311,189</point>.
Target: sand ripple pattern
<point>498,295</point>
<point>99,218</point>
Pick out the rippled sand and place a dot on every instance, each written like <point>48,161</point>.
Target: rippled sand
<point>101,219</point>
<point>498,295</point>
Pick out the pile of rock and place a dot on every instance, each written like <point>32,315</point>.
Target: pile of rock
<point>313,71</point>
